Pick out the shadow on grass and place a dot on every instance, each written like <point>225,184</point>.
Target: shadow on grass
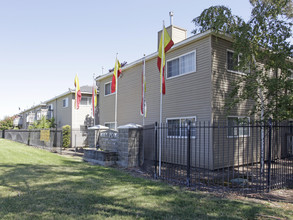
<point>78,190</point>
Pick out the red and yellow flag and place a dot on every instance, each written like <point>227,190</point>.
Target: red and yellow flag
<point>116,74</point>
<point>143,107</point>
<point>166,43</point>
<point>77,92</point>
<point>94,99</point>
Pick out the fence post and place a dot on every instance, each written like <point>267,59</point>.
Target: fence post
<point>3,133</point>
<point>269,156</point>
<point>29,137</point>
<point>188,154</point>
<point>156,148</point>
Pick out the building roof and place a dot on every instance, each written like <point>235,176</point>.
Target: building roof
<point>155,54</point>
<point>177,45</point>
<point>84,90</point>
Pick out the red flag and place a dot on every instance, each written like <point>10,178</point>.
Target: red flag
<point>166,43</point>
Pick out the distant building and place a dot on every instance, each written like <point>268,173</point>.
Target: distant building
<point>61,108</point>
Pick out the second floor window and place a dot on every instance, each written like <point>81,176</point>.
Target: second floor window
<point>65,103</point>
<point>108,88</point>
<point>181,65</point>
<point>232,63</point>
<point>85,101</point>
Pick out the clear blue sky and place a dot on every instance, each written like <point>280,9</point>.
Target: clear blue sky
<point>43,44</point>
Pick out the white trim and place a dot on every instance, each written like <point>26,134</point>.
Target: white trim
<point>110,89</point>
<point>232,116</point>
<point>179,118</point>
<point>178,57</point>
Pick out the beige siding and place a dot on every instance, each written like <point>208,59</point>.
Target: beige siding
<point>186,95</point>
<point>79,116</point>
<point>222,82</point>
<point>227,151</point>
<point>106,103</point>
<point>190,94</point>
<point>62,115</point>
<point>177,34</point>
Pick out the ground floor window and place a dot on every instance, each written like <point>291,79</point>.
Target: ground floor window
<point>177,127</point>
<point>238,126</point>
<point>110,125</point>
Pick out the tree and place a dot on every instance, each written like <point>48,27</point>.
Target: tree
<point>263,42</point>
<point>43,124</point>
<point>7,123</point>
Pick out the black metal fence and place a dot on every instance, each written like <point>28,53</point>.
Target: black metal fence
<point>254,157</point>
<point>52,141</point>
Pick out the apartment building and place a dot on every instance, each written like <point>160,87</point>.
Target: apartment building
<point>199,74</point>
<point>61,108</point>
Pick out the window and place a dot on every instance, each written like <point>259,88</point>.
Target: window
<point>291,74</point>
<point>181,65</point>
<point>85,101</point>
<point>50,111</point>
<point>177,127</point>
<point>65,103</point>
<point>110,125</point>
<point>39,115</point>
<point>108,88</point>
<point>238,126</point>
<point>232,63</point>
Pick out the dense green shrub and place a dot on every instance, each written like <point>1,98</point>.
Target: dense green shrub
<point>66,133</point>
<point>6,123</point>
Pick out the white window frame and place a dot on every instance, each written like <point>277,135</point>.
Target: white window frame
<point>66,102</point>
<point>39,117</point>
<point>178,57</point>
<point>236,136</point>
<point>110,89</point>
<point>88,102</point>
<point>180,118</point>
<point>109,122</point>
<point>238,60</point>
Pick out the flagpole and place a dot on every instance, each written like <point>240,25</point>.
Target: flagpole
<point>116,90</point>
<point>143,89</point>
<point>161,99</point>
<point>93,101</point>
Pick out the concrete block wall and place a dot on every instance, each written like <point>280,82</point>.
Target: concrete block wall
<point>128,149</point>
<point>108,140</point>
<point>126,142</point>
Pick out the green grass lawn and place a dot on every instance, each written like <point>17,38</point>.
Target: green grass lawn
<point>36,184</point>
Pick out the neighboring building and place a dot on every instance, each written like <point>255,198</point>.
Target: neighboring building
<point>62,109</point>
<point>199,74</point>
